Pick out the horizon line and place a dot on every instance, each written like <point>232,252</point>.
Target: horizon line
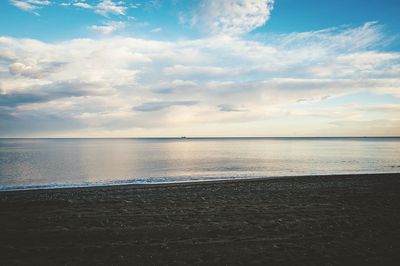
<point>202,137</point>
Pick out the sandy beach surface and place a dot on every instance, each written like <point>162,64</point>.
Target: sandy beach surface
<point>320,220</point>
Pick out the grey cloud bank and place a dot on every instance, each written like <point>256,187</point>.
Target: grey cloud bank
<point>157,106</point>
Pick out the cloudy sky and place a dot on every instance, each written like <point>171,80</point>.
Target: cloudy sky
<point>135,68</point>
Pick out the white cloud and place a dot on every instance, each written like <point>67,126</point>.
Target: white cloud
<point>108,27</point>
<point>30,5</point>
<point>369,35</point>
<point>198,71</point>
<point>155,30</point>
<point>231,17</point>
<point>33,71</point>
<point>104,7</point>
<point>83,5</point>
<point>122,85</point>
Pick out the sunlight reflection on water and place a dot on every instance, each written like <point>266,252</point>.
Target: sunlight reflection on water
<point>70,162</point>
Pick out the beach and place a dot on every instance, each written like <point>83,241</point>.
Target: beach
<point>310,220</point>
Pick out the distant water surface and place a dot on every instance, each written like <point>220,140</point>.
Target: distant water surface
<point>47,163</point>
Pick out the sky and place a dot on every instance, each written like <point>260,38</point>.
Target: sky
<point>201,68</point>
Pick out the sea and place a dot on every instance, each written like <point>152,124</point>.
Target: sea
<point>55,163</point>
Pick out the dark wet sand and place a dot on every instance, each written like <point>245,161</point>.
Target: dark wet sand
<point>304,220</point>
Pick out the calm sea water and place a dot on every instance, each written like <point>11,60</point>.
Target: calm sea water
<point>47,163</point>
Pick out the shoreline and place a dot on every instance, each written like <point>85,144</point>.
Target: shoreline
<point>309,220</point>
<point>199,137</point>
<point>189,182</point>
